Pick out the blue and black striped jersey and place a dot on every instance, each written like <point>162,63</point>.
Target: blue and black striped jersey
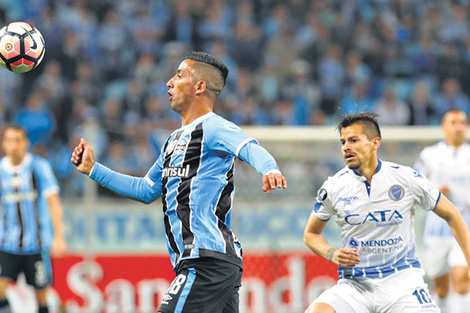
<point>194,175</point>
<point>25,224</point>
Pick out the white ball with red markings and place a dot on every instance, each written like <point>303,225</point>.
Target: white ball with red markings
<point>21,47</point>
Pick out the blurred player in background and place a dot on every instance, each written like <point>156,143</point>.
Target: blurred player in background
<point>447,165</point>
<point>30,218</point>
<point>373,201</point>
<point>194,175</point>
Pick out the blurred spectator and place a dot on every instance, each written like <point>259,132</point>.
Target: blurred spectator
<point>146,31</point>
<point>356,71</point>
<point>246,48</point>
<point>303,94</point>
<point>120,158</point>
<point>449,63</point>
<point>392,110</point>
<point>451,98</point>
<point>37,119</point>
<point>331,77</point>
<point>357,101</point>
<point>421,105</point>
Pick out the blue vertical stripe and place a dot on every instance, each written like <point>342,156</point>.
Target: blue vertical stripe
<point>46,259</point>
<point>187,288</point>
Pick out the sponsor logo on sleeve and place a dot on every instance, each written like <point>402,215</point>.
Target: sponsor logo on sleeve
<point>322,195</point>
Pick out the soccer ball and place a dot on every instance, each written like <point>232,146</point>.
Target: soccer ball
<point>21,47</point>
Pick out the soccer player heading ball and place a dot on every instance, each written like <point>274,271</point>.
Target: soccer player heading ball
<point>194,177</point>
<point>373,201</point>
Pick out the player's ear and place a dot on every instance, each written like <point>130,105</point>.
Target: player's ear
<point>376,141</point>
<point>201,87</point>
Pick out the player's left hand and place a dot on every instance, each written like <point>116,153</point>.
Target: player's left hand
<point>59,247</point>
<point>273,180</point>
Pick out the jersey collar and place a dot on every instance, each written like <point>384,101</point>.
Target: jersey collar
<point>199,119</point>
<point>14,169</point>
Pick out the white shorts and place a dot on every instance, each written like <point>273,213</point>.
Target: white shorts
<point>442,253</point>
<point>404,292</point>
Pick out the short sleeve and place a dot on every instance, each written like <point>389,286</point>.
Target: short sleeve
<point>421,164</point>
<point>425,193</point>
<point>224,136</point>
<point>47,181</point>
<point>323,208</point>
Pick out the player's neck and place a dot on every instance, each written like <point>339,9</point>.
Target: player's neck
<point>190,115</point>
<point>368,170</point>
<point>15,161</point>
<point>454,143</point>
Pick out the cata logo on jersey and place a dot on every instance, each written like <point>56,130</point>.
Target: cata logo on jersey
<point>381,218</point>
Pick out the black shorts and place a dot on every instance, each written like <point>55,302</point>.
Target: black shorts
<point>36,268</point>
<point>205,285</point>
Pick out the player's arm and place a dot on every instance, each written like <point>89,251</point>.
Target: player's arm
<point>265,164</point>
<point>345,257</point>
<point>142,189</point>
<point>446,210</point>
<point>59,246</point>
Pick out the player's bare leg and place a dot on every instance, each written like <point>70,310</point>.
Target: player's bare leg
<point>459,275</point>
<point>441,288</point>
<point>320,308</point>
<point>441,285</point>
<point>42,299</point>
<point>4,305</point>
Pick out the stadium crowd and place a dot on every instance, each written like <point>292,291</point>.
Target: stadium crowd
<point>296,62</point>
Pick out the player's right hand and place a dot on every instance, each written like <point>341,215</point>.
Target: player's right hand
<point>83,157</point>
<point>346,257</point>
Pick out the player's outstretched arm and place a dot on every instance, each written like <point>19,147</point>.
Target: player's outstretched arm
<point>345,257</point>
<point>83,157</point>
<point>446,210</point>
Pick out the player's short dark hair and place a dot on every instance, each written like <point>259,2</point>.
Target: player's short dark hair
<point>368,120</point>
<point>15,126</point>
<point>203,57</point>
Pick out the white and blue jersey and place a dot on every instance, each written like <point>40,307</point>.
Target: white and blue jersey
<point>378,218</point>
<point>194,175</point>
<point>447,166</point>
<point>25,224</point>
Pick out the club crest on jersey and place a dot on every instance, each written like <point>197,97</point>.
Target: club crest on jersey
<point>322,195</point>
<point>396,192</point>
<point>171,147</point>
<point>179,148</point>
<point>231,126</point>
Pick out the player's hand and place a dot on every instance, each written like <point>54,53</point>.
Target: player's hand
<point>273,180</point>
<point>59,247</point>
<point>346,257</point>
<point>83,157</point>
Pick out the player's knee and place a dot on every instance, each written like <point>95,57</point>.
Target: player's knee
<point>441,292</point>
<point>461,287</point>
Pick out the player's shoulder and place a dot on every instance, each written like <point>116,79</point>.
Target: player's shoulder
<point>215,121</point>
<point>392,166</point>
<point>432,150</point>
<point>37,159</point>
<point>396,169</point>
<point>340,178</point>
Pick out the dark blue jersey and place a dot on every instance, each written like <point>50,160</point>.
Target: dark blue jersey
<point>194,175</point>
<point>25,224</point>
